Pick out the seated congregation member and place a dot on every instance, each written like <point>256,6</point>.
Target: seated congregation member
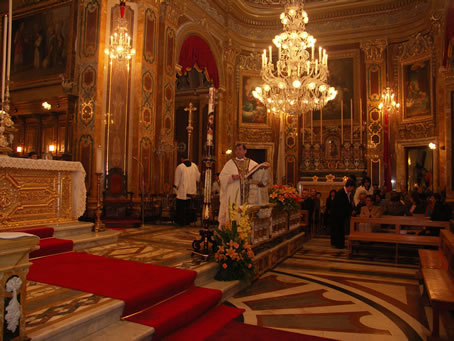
<point>361,202</point>
<point>369,211</point>
<point>417,206</point>
<point>307,203</point>
<point>395,206</point>
<point>342,209</point>
<point>329,208</point>
<point>365,187</point>
<point>441,212</point>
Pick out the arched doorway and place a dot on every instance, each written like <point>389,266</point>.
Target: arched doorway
<point>199,73</point>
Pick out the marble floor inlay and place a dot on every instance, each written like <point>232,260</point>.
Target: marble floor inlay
<point>321,291</point>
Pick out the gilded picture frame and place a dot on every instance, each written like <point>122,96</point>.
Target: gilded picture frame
<point>416,85</point>
<point>344,76</point>
<point>42,38</point>
<point>252,112</point>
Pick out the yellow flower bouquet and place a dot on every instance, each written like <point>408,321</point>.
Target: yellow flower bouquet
<point>234,253</point>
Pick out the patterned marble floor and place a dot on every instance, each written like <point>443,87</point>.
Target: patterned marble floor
<point>320,291</point>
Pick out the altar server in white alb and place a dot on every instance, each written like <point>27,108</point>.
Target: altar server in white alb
<point>233,181</point>
<point>186,177</point>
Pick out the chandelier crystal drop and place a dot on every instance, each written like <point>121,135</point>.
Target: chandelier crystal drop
<point>297,82</point>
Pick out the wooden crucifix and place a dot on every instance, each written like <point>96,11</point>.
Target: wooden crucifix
<point>190,128</point>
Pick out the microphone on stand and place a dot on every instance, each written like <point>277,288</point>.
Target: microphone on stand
<point>143,189</point>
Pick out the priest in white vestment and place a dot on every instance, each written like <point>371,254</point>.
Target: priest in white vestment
<point>233,181</point>
<point>186,177</point>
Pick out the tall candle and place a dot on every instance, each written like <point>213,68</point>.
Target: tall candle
<point>312,127</point>
<point>321,126</point>
<point>351,120</point>
<point>10,34</point>
<point>360,121</point>
<point>271,55</point>
<point>99,167</point>
<point>342,122</point>
<point>5,22</point>
<point>304,114</point>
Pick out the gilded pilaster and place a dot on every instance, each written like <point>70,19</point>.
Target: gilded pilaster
<point>375,65</point>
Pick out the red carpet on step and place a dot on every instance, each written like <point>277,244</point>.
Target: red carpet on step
<point>207,324</point>
<point>178,311</point>
<point>139,285</point>
<point>240,331</point>
<point>51,246</point>
<point>41,232</point>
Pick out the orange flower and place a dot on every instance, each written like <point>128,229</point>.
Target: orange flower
<point>224,266</point>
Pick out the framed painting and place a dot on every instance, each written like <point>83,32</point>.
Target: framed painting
<point>344,76</point>
<point>416,80</point>
<point>252,112</point>
<point>41,42</point>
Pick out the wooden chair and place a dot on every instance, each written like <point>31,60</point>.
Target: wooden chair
<point>117,199</point>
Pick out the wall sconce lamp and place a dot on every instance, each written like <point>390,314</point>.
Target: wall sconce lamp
<point>46,106</point>
<point>228,152</point>
<point>51,148</point>
<point>19,149</point>
<point>432,146</point>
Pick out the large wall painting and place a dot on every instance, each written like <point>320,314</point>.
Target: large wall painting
<point>344,76</point>
<point>417,90</point>
<point>252,111</point>
<point>40,45</point>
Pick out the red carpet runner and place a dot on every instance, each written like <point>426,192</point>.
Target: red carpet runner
<point>139,285</point>
<point>48,245</point>
<point>156,296</point>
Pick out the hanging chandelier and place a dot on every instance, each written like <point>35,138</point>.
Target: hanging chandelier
<point>120,42</point>
<point>297,82</point>
<point>387,100</point>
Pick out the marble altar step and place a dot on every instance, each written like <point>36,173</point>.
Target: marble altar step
<point>122,330</point>
<point>78,326</point>
<point>81,234</point>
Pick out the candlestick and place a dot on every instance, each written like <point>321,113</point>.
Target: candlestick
<point>312,50</point>
<point>99,226</point>
<point>321,126</point>
<point>10,31</point>
<point>342,122</point>
<point>99,167</point>
<point>5,22</point>
<point>360,121</point>
<point>271,55</point>
<point>351,120</point>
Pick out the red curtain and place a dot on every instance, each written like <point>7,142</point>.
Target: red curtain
<point>195,52</point>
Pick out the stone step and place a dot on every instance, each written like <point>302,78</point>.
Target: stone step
<point>228,288</point>
<point>92,239</point>
<point>74,228</point>
<point>80,326</point>
<point>122,330</point>
<point>205,274</point>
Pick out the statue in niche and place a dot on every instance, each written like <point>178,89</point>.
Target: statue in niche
<point>332,148</point>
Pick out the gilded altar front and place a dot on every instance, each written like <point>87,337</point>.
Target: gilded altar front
<point>38,192</point>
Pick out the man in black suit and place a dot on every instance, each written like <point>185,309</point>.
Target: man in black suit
<point>342,210</point>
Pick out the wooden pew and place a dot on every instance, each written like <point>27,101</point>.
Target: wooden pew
<point>437,268</point>
<point>401,234</point>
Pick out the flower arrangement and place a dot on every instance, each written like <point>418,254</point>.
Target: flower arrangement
<point>286,197</point>
<point>234,253</point>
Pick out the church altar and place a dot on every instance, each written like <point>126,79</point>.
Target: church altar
<point>38,192</point>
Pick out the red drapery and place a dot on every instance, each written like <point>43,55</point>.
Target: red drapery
<point>195,52</point>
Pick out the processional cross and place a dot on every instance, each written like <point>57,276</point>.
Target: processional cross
<point>190,128</point>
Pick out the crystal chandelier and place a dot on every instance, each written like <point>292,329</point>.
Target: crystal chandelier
<point>297,82</point>
<point>120,42</point>
<point>387,100</point>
